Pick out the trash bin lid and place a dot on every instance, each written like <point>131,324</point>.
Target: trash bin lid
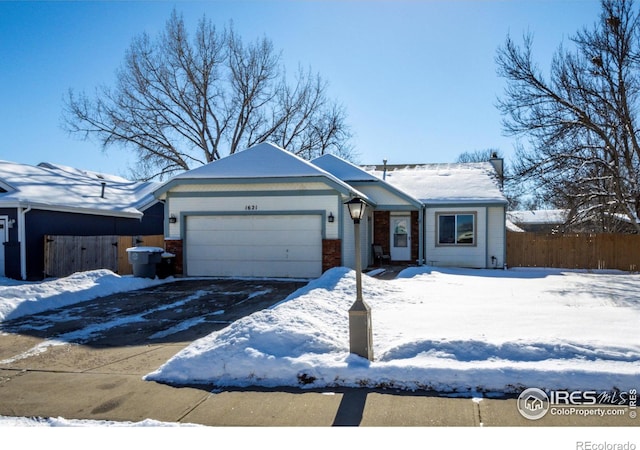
<point>145,250</point>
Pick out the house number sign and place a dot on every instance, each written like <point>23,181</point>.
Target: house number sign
<point>251,207</point>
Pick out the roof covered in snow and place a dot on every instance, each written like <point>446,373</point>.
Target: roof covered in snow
<point>264,161</point>
<point>342,169</point>
<point>62,188</point>
<point>356,176</point>
<point>539,217</point>
<point>469,183</point>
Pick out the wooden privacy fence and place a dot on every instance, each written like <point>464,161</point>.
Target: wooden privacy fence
<point>64,255</point>
<point>574,251</point>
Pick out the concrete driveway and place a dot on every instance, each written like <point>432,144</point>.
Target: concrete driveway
<point>175,312</point>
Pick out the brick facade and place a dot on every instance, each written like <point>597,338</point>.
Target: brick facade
<point>382,230</point>
<point>175,246</point>
<point>331,253</point>
<point>415,235</point>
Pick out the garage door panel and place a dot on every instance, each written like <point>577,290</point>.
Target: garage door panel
<point>240,269</point>
<point>243,253</point>
<point>257,238</point>
<point>255,246</point>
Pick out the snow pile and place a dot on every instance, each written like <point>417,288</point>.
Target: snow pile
<point>21,298</point>
<point>451,330</point>
<point>54,422</point>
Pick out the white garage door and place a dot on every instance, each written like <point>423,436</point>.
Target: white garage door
<point>254,246</point>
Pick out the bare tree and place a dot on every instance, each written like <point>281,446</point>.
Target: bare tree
<point>478,155</point>
<point>180,102</point>
<point>512,192</point>
<point>581,123</point>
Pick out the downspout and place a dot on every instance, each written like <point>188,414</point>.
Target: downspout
<point>486,238</point>
<point>504,239</point>
<point>340,219</point>
<point>22,240</point>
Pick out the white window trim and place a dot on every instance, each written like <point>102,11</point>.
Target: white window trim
<point>474,214</point>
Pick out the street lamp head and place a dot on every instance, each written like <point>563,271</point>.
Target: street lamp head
<point>356,208</point>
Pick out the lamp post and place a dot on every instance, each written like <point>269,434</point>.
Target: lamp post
<point>360,332</point>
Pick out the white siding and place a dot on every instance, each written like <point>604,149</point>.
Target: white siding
<point>383,196</point>
<point>496,245</point>
<point>456,256</point>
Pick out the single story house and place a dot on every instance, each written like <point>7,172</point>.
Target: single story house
<point>265,212</point>
<point>50,199</point>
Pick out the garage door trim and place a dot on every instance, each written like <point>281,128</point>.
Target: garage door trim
<point>322,214</point>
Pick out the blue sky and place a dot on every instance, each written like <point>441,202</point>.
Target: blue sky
<point>417,78</point>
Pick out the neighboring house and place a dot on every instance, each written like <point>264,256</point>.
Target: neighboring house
<point>56,200</point>
<point>265,212</point>
<point>552,221</point>
<point>540,221</point>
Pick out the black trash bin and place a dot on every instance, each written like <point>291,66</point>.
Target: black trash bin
<point>145,260</point>
<point>166,267</point>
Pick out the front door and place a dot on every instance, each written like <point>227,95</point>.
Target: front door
<point>400,238</point>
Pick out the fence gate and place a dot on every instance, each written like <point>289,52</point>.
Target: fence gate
<point>64,255</point>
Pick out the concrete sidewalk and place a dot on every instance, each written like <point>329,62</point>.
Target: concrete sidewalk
<point>107,385</point>
<point>78,382</point>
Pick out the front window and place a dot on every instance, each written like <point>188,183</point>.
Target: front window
<point>456,229</point>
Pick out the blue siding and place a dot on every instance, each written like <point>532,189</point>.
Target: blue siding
<point>40,223</point>
<point>12,247</point>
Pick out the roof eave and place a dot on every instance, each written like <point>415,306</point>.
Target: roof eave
<point>340,186</point>
<point>465,202</point>
<point>128,213</point>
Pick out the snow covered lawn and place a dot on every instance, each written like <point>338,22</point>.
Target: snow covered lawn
<point>452,330</point>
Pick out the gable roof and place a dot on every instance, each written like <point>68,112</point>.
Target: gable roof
<point>61,188</point>
<point>356,176</point>
<point>266,162</point>
<point>433,184</point>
